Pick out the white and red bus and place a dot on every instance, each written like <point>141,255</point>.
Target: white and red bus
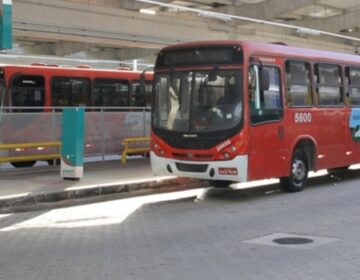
<point>29,95</point>
<point>235,111</point>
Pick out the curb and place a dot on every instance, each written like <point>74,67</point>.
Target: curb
<point>44,200</point>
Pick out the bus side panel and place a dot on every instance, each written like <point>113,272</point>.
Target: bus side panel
<point>330,134</point>
<point>325,128</point>
<point>268,154</point>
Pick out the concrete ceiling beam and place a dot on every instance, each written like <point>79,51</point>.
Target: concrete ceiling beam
<point>266,10</point>
<point>84,23</point>
<point>346,21</point>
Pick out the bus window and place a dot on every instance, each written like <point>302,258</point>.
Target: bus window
<point>68,91</point>
<point>27,91</point>
<point>298,84</point>
<point>111,93</point>
<point>328,84</point>
<point>265,103</point>
<point>353,90</point>
<point>137,99</point>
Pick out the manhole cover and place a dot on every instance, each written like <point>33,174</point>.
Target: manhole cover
<point>289,240</point>
<point>292,241</point>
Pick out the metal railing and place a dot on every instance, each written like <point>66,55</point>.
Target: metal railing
<point>135,145</point>
<point>22,129</point>
<point>30,157</point>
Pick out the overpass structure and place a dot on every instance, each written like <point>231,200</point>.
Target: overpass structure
<point>119,30</point>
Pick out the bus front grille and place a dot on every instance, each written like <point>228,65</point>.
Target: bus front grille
<point>185,167</point>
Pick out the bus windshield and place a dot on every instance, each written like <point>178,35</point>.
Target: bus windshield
<point>198,101</point>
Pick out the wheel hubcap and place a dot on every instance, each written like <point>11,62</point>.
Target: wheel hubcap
<point>298,170</point>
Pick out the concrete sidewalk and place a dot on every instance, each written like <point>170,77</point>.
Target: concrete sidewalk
<point>40,187</point>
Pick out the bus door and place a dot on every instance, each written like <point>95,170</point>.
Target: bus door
<point>352,76</point>
<point>267,148</point>
<point>331,121</point>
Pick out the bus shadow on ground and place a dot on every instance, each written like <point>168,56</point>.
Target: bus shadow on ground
<point>336,179</point>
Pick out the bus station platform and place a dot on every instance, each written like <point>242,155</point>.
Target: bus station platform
<point>41,187</point>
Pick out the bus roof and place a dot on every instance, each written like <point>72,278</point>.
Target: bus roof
<point>39,68</point>
<point>278,50</point>
<point>65,67</point>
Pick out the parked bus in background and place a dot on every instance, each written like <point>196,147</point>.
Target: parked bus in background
<point>40,85</point>
<point>28,94</point>
<point>235,111</point>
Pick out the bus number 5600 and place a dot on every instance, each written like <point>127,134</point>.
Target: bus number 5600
<point>302,117</point>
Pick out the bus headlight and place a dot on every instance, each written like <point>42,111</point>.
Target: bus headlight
<point>226,155</point>
<point>233,149</point>
<point>157,149</point>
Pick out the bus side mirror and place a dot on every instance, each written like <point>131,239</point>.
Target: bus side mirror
<point>264,79</point>
<point>142,81</point>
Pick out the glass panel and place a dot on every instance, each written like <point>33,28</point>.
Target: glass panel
<point>353,96</point>
<point>104,131</point>
<point>137,99</point>
<point>203,101</point>
<point>217,104</point>
<point>270,105</point>
<point>172,92</point>
<point>70,91</point>
<point>329,95</point>
<point>111,93</point>
<point>354,76</point>
<point>27,90</point>
<point>26,127</point>
<point>329,84</point>
<point>328,74</point>
<point>298,84</point>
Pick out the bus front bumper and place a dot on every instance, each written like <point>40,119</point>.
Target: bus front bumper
<point>229,170</point>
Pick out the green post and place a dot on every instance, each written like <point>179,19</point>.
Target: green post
<point>72,143</point>
<point>5,24</point>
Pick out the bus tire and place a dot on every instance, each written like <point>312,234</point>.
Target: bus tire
<point>20,164</point>
<point>298,173</point>
<point>220,183</point>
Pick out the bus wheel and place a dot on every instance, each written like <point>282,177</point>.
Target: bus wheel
<point>298,173</point>
<point>20,164</point>
<point>219,183</point>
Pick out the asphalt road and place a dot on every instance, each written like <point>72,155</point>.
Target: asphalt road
<point>199,234</point>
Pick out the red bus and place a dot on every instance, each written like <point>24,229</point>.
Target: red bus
<point>235,111</point>
<point>30,93</point>
<point>40,85</point>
